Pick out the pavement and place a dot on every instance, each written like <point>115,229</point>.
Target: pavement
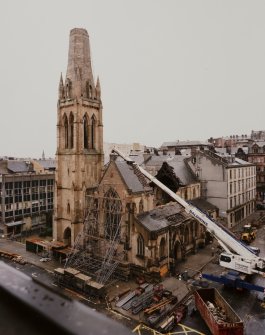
<point>191,267</point>
<point>30,257</point>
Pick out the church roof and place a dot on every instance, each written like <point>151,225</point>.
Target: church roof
<point>203,205</point>
<point>181,170</point>
<point>162,217</point>
<point>131,180</point>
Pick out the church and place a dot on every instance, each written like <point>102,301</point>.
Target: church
<point>111,210</point>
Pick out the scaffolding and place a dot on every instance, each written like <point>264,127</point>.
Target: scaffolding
<point>96,248</point>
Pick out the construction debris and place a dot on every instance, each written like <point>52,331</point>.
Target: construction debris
<point>218,312</point>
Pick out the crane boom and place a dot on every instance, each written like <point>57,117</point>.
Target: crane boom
<point>237,255</point>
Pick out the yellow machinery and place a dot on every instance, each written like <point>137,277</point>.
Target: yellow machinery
<point>248,234</point>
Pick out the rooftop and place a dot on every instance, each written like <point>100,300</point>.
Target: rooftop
<point>162,217</point>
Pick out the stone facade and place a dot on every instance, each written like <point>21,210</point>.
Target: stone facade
<point>227,183</point>
<point>79,139</point>
<point>256,155</point>
<point>152,239</point>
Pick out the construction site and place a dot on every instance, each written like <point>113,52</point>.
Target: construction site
<point>95,267</point>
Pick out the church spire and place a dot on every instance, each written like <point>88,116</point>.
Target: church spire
<point>79,70</point>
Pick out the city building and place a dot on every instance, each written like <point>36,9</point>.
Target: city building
<point>247,148</point>
<point>185,147</point>
<point>26,196</point>
<point>230,142</point>
<point>257,135</point>
<point>79,139</point>
<point>228,183</point>
<point>256,155</point>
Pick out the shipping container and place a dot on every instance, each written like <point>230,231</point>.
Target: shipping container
<point>217,313</point>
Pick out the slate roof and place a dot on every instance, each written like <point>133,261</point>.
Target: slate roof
<point>203,205</point>
<point>47,164</point>
<point>259,143</point>
<point>162,217</point>
<point>224,160</point>
<point>239,161</point>
<point>185,143</point>
<point>177,162</point>
<point>131,180</point>
<point>18,166</point>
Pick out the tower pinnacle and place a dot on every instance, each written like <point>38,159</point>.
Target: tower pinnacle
<point>79,70</point>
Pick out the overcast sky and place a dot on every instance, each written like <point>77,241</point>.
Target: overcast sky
<point>169,69</point>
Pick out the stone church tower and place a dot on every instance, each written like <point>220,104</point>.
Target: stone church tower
<point>79,139</point>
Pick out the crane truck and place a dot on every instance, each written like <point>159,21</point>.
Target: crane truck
<point>236,255</point>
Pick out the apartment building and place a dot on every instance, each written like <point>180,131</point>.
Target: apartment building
<point>228,183</point>
<point>256,155</point>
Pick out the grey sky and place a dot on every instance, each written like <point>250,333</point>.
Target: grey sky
<point>169,69</point>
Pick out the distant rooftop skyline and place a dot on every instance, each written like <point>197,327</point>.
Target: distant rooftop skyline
<point>186,70</point>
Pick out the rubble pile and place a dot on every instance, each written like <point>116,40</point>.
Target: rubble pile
<point>218,312</point>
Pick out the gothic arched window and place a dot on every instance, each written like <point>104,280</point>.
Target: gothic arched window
<point>71,131</point>
<point>141,206</point>
<point>186,236</point>
<point>65,130</point>
<point>67,236</point>
<point>162,248</point>
<point>140,245</point>
<point>113,210</point>
<point>68,87</point>
<point>93,132</point>
<point>85,131</point>
<point>90,92</point>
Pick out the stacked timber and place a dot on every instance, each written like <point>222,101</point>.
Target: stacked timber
<point>95,289</point>
<point>70,272</point>
<point>69,276</point>
<point>81,281</point>
<point>59,274</point>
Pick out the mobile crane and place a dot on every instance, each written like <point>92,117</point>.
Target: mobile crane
<point>237,255</point>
